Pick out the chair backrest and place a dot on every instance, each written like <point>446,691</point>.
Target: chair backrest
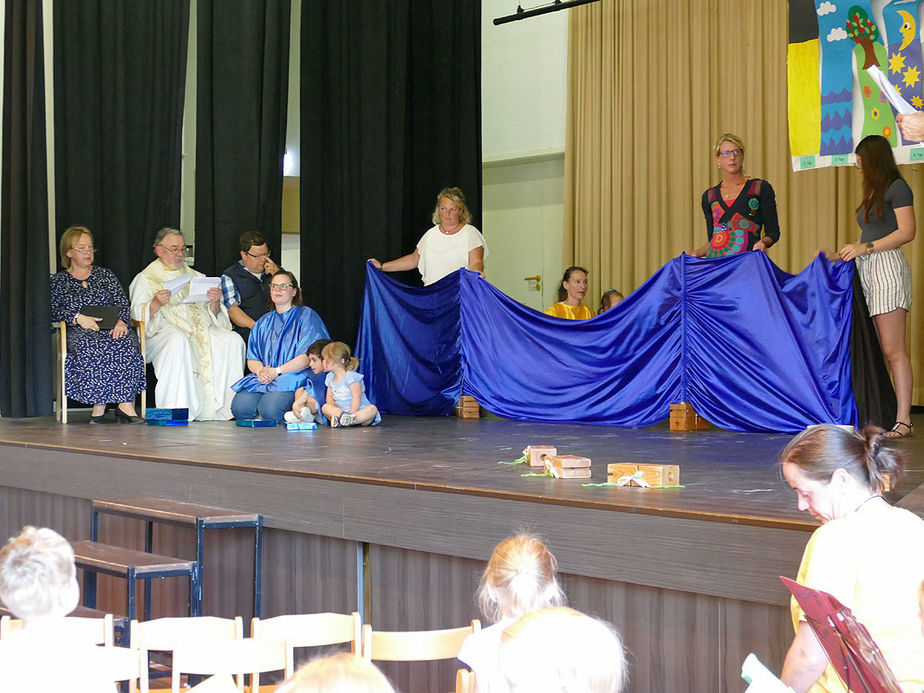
<point>231,658</point>
<point>465,681</point>
<point>309,630</point>
<point>414,646</point>
<point>89,631</point>
<point>173,634</point>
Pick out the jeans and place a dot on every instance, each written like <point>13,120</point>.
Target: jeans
<point>272,406</point>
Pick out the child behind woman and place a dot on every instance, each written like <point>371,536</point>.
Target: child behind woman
<point>519,578</point>
<point>609,299</point>
<point>347,404</point>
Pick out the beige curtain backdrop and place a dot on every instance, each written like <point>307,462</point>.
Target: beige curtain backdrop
<point>651,85</point>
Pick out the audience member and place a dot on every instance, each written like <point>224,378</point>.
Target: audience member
<point>276,354</point>
<point>451,244</point>
<point>866,554</point>
<point>519,578</point>
<point>38,583</point>
<point>340,673</point>
<point>195,353</point>
<point>346,402</point>
<point>609,299</point>
<point>245,288</point>
<point>560,650</point>
<point>740,211</point>
<point>570,294</point>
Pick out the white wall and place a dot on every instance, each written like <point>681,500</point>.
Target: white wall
<point>524,87</point>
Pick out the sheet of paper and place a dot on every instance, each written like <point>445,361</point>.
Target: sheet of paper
<point>198,287</point>
<point>175,285</point>
<point>896,99</point>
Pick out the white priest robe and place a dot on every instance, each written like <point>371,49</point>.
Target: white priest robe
<point>196,355</point>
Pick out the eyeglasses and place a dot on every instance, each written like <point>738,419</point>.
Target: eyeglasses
<point>82,248</point>
<point>280,287</point>
<point>725,153</point>
<point>257,257</point>
<point>173,248</point>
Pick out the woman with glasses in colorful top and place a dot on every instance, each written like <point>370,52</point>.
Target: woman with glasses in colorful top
<point>277,353</point>
<point>103,366</point>
<point>740,212</point>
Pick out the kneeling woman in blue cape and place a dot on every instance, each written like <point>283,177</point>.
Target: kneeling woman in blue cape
<point>276,354</point>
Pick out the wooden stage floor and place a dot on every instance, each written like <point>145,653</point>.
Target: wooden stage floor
<point>726,477</point>
<point>398,520</point>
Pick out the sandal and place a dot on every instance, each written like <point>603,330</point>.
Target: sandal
<point>900,430</point>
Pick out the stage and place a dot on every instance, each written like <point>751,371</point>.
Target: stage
<point>398,520</point>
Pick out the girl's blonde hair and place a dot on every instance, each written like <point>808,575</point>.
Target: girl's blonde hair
<point>338,352</point>
<point>340,673</point>
<point>519,578</point>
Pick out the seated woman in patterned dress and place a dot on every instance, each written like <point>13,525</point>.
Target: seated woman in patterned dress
<point>103,366</point>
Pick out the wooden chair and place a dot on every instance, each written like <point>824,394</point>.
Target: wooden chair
<point>309,630</point>
<point>415,646</point>
<point>174,634</point>
<point>89,631</point>
<point>61,408</point>
<point>465,681</point>
<point>231,658</point>
<point>24,667</point>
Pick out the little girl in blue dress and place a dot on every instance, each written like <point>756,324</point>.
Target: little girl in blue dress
<point>347,404</point>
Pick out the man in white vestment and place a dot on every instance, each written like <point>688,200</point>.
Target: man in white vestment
<point>196,355</point>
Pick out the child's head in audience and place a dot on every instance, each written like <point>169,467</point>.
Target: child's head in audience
<point>561,650</point>
<point>520,578</point>
<point>38,578</point>
<point>315,360</point>
<point>340,673</point>
<point>610,298</point>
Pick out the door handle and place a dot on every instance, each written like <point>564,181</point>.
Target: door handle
<point>538,279</point>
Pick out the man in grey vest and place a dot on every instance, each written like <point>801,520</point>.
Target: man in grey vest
<point>245,284</point>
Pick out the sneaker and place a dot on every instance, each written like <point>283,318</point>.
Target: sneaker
<point>290,417</point>
<point>306,414</point>
<point>347,419</point>
<point>335,422</point>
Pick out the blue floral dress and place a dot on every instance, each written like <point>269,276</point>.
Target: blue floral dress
<point>99,369</point>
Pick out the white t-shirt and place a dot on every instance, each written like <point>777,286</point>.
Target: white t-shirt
<point>480,652</point>
<point>441,254</point>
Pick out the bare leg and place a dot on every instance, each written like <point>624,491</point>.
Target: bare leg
<point>891,329</point>
<point>366,415</point>
<point>98,409</point>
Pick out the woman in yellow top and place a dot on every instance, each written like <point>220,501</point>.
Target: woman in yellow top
<point>570,294</point>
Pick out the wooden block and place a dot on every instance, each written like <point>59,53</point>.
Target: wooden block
<point>538,453</point>
<point>654,474</point>
<point>568,461</point>
<point>685,418</point>
<point>468,408</point>
<point>570,473</point>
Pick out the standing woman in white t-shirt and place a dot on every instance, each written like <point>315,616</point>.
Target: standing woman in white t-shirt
<point>450,245</point>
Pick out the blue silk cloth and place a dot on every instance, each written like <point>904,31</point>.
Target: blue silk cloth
<point>751,347</point>
<point>277,339</point>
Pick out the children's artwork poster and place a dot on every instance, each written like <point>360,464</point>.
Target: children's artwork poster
<point>837,50</point>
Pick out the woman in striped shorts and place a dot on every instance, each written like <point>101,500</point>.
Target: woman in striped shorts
<point>886,219</point>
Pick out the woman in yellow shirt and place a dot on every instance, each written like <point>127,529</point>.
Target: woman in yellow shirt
<point>570,294</point>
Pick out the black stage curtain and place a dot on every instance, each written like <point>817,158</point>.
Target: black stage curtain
<point>119,87</point>
<point>243,81</point>
<point>26,387</point>
<point>390,115</point>
<point>872,386</point>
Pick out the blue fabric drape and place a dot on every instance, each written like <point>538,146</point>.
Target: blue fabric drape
<point>751,347</point>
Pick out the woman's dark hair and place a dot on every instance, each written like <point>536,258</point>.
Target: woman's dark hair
<point>820,451</point>
<point>877,165</point>
<point>562,291</point>
<point>297,300</point>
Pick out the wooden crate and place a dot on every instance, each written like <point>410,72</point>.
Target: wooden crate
<point>468,408</point>
<point>684,418</point>
<point>568,466</point>
<point>654,474</point>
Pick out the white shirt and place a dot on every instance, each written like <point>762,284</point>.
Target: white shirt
<point>442,254</point>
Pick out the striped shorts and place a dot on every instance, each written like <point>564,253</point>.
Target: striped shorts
<point>886,280</point>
